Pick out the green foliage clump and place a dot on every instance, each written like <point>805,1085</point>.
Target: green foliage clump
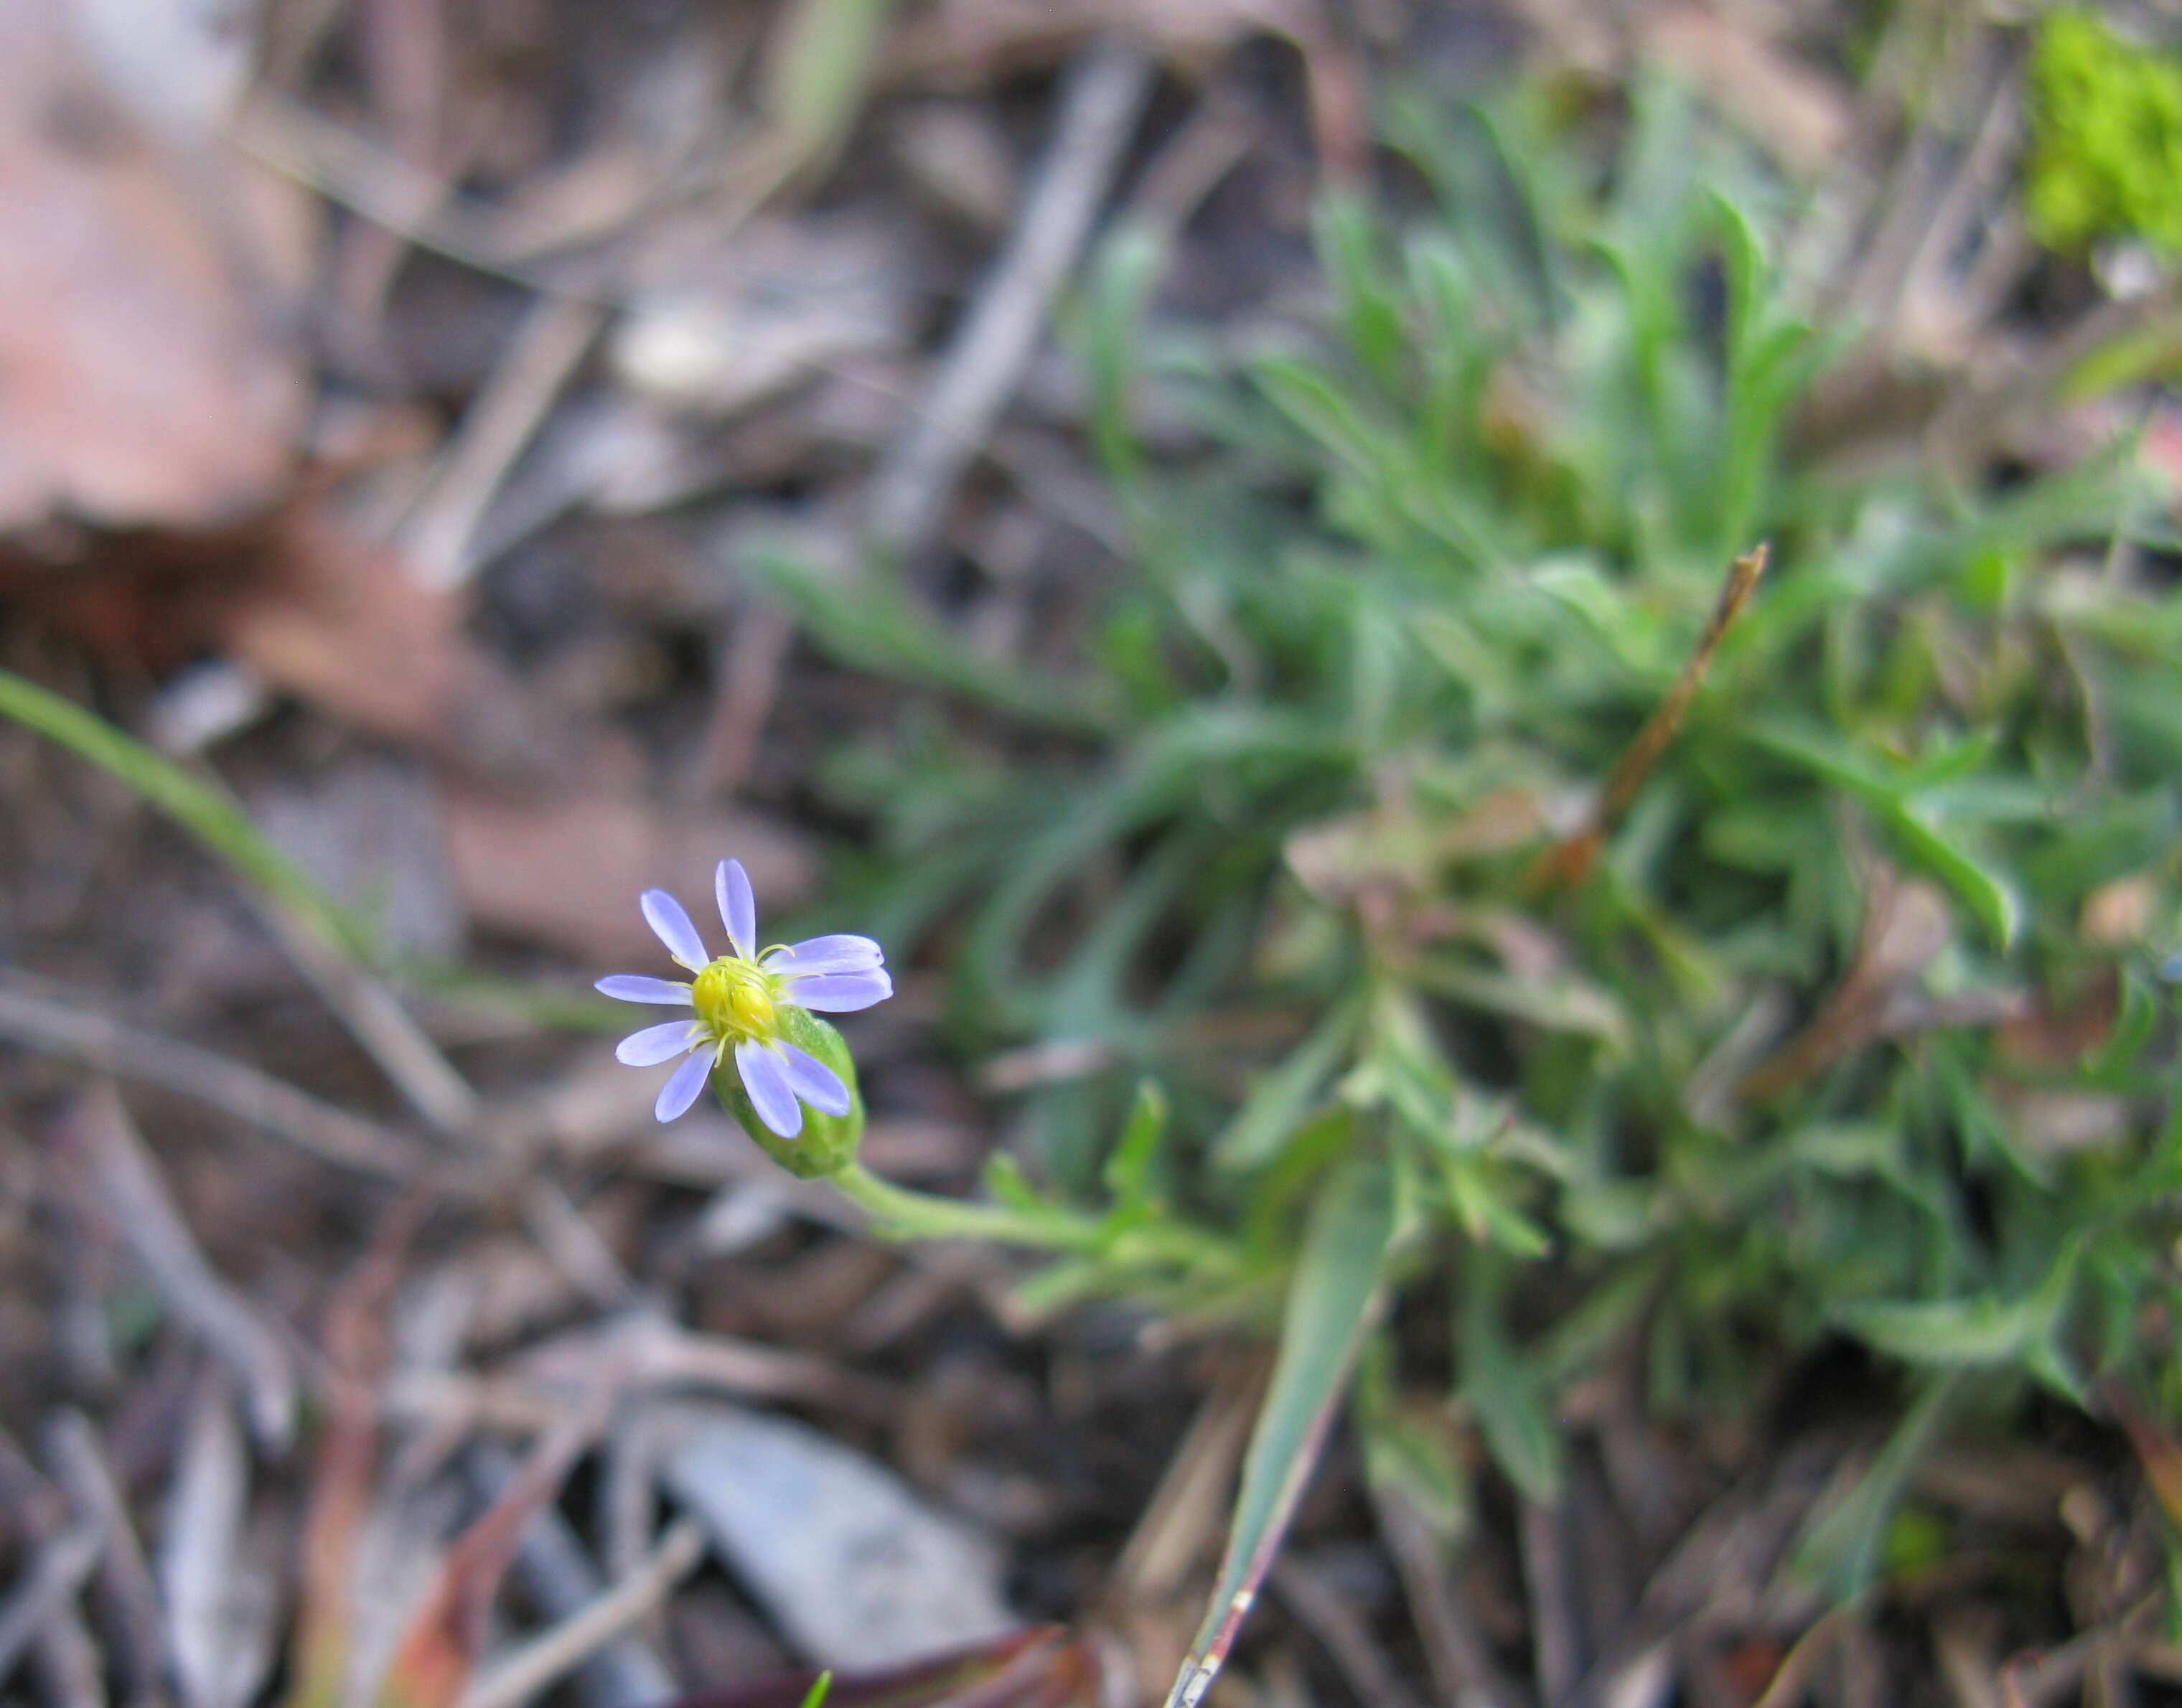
<point>1401,587</point>
<point>2106,154</point>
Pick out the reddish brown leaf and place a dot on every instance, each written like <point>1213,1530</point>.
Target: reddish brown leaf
<point>568,871</point>
<point>136,383</point>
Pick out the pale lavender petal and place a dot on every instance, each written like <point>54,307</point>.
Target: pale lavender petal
<point>664,915</point>
<point>840,993</point>
<point>635,987</point>
<point>654,1044</point>
<point>840,954</point>
<point>681,1090</point>
<point>813,1081</point>
<point>766,1078</point>
<point>738,907</point>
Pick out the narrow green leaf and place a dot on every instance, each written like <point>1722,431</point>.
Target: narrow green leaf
<point>1498,1387</point>
<point>200,808</point>
<point>865,619</point>
<point>819,70</point>
<point>1279,1097</point>
<point>1842,1546</point>
<point>1128,1169</point>
<point>1331,1304</point>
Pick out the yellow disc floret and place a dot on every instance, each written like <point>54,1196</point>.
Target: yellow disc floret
<point>734,999</point>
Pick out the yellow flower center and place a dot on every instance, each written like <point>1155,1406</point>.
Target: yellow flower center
<point>734,999</point>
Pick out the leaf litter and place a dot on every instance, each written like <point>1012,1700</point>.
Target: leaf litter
<point>255,1432</point>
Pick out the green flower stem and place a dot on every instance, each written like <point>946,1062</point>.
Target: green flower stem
<point>1132,1247</point>
<point>926,1216</point>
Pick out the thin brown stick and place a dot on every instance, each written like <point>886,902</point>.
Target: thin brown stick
<point>1183,1514</point>
<point>1556,1643</point>
<point>1571,861</point>
<point>57,1572</point>
<point>272,1106</point>
<point>539,363</point>
<point>130,1596</point>
<point>1463,1669</point>
<point>128,1186</point>
<point>1791,1679</point>
<point>68,1663</point>
<point>1100,100</point>
<point>556,1575</point>
<point>749,687</point>
<point>528,1670</point>
<point>1328,1616</point>
<point>376,1020</point>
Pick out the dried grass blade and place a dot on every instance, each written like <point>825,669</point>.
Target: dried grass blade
<point>1571,861</point>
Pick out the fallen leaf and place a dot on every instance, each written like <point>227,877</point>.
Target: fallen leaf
<point>854,1567</point>
<point>221,1614</point>
<point>719,324</point>
<point>339,619</point>
<point>567,871</point>
<point>1794,109</point>
<point>128,327</point>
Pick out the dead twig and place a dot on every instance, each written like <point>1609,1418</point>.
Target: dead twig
<point>257,1099</point>
<point>1791,1679</point>
<point>500,423</point>
<point>537,1664</point>
<point>221,1654</point>
<point>1100,99</point>
<point>135,1196</point>
<point>130,1596</point>
<point>68,1663</point>
<point>556,1574</point>
<point>355,173</point>
<point>376,1020</point>
<point>65,1660</point>
<point>573,1246</point>
<point>1462,1670</point>
<point>1905,927</point>
<point>1571,861</point>
<point>1556,1644</point>
<point>748,685</point>
<point>1329,1617</point>
<point>1183,1515</point>
<point>57,1574</point>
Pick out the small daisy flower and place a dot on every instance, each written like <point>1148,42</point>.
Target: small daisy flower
<point>741,1002</point>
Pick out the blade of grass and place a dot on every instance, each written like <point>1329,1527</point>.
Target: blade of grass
<point>865,619</point>
<point>207,813</point>
<point>1331,1305</point>
<point>326,946</point>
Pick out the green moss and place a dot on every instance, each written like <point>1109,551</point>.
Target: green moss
<point>2106,137</point>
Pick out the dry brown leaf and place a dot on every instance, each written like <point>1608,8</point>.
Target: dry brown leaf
<point>566,871</point>
<point>137,384</point>
<point>1796,111</point>
<point>350,630</point>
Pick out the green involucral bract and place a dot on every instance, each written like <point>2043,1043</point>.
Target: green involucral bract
<point>827,1143</point>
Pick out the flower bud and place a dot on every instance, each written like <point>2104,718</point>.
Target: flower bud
<point>826,1143</point>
